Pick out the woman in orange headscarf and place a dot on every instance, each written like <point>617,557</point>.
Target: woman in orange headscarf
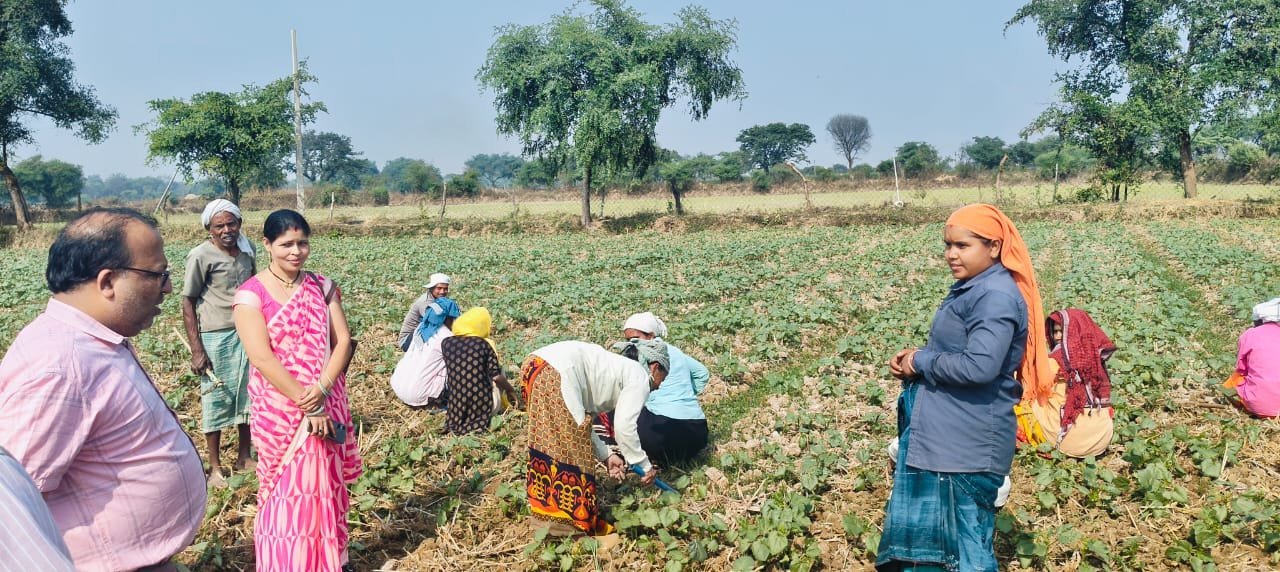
<point>956,424</point>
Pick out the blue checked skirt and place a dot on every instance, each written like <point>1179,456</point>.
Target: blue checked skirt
<point>936,521</point>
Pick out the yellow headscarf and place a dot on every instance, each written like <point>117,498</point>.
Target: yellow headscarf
<point>475,322</point>
<point>988,222</point>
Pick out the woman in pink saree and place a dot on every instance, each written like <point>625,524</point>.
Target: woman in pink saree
<point>296,336</point>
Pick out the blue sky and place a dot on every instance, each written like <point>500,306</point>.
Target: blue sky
<point>399,77</point>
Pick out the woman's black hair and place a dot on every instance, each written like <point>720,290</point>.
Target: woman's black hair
<point>282,221</point>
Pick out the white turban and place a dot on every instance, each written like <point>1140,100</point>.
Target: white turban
<point>1268,311</point>
<point>437,279</point>
<point>647,323</point>
<point>223,205</point>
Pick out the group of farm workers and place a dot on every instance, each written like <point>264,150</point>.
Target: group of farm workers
<point>96,472</point>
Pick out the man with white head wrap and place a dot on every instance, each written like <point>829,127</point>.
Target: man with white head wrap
<point>672,425</point>
<point>215,270</point>
<point>437,287</point>
<point>1257,374</point>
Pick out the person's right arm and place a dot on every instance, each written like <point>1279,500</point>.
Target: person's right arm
<point>410,324</point>
<point>48,421</point>
<point>251,326</point>
<point>192,288</point>
<point>990,327</point>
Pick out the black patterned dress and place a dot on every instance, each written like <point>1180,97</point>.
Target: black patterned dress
<point>471,364</point>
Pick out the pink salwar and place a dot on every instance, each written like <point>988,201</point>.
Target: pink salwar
<point>302,478</point>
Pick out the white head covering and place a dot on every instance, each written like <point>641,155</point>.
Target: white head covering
<point>223,205</point>
<point>647,323</point>
<point>1268,311</point>
<point>437,279</point>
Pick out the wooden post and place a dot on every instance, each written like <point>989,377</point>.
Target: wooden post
<point>1000,171</point>
<point>808,204</point>
<point>444,198</point>
<point>165,194</point>
<point>297,127</point>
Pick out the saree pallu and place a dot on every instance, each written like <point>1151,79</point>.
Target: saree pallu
<point>936,521</point>
<point>302,495</point>
<point>560,481</point>
<point>224,403</point>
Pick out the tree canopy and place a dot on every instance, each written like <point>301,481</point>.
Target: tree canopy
<point>767,145</point>
<point>404,175</point>
<point>495,170</point>
<point>851,135</point>
<point>1184,63</point>
<point>917,158</point>
<point>681,174</point>
<point>986,152</point>
<point>57,182</point>
<point>36,80</point>
<point>239,137</point>
<point>592,86</point>
<point>330,158</point>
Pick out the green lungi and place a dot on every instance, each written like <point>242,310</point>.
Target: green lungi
<point>224,402</point>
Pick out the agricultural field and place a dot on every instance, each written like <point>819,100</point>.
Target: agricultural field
<point>796,325</point>
<point>727,199</point>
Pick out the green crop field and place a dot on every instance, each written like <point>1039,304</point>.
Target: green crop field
<point>796,325</point>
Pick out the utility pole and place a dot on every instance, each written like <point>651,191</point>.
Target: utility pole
<point>297,126</point>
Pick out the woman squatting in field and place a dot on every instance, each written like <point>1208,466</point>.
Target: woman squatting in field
<point>956,425</point>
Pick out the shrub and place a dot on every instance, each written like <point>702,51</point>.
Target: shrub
<point>380,196</point>
<point>1242,158</point>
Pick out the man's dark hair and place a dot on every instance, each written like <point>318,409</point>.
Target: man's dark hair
<point>90,243</point>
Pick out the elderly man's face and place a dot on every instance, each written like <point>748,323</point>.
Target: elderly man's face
<point>224,230</point>
<point>139,292</point>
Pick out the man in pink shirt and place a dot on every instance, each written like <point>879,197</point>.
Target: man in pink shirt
<point>1259,361</point>
<point>123,482</point>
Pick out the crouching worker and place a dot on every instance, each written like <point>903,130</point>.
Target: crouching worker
<point>1077,417</point>
<point>565,384</point>
<point>1257,376</point>
<point>474,373</point>
<point>421,376</point>
<point>672,426</point>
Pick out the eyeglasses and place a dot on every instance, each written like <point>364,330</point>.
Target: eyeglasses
<point>164,276</point>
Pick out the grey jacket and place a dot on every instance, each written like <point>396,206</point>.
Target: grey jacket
<point>963,419</point>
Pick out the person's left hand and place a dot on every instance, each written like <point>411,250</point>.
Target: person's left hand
<point>650,476</point>
<point>895,364</point>
<point>617,466</point>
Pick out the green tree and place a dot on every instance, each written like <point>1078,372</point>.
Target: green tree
<point>1071,160</point>
<point>1117,134</point>
<point>467,184</point>
<point>404,175</point>
<point>681,174</point>
<point>330,158</point>
<point>985,152</point>
<point>851,135</point>
<point>57,182</point>
<point>238,137</point>
<point>1185,62</point>
<point>917,158</point>
<point>593,86</point>
<point>495,170</point>
<point>536,174</point>
<point>729,167</point>
<point>767,145</point>
<point>37,80</point>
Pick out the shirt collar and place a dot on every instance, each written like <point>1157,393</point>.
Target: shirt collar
<point>967,283</point>
<point>76,318</point>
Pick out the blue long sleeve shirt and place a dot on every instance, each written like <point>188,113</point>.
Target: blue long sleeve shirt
<point>677,397</point>
<point>963,418</point>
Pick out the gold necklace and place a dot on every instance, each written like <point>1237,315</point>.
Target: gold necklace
<point>288,284</point>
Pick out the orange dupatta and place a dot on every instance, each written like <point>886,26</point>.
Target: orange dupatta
<point>988,222</point>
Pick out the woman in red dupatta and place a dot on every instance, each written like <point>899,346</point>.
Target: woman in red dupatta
<point>1077,417</point>
<point>296,336</point>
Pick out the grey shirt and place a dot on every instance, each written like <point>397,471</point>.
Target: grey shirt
<point>963,420</point>
<point>212,279</point>
<point>413,319</point>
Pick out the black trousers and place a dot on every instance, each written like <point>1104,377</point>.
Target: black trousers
<point>662,438</point>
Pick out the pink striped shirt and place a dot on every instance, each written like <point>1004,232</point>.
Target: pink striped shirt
<point>124,483</point>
